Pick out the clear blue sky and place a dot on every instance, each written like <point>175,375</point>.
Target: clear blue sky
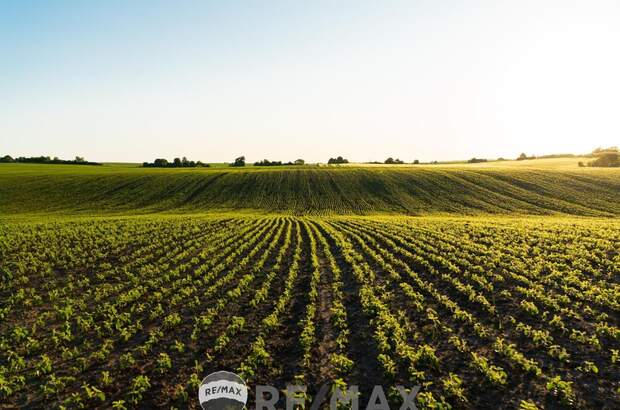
<point>135,80</point>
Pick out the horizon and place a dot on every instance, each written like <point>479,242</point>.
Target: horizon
<point>116,82</point>
<point>352,161</point>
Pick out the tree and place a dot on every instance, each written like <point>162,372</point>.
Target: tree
<point>239,162</point>
<point>522,157</point>
<point>416,161</point>
<point>163,163</point>
<point>338,160</point>
<point>47,160</point>
<point>607,159</point>
<point>601,150</point>
<point>299,162</point>
<point>267,163</point>
<point>390,160</point>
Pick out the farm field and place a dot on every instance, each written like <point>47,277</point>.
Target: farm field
<point>519,187</point>
<point>483,312</point>
<point>491,286</point>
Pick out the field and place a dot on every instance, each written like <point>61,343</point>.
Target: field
<point>124,288</point>
<point>518,187</point>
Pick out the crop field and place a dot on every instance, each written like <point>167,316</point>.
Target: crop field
<point>528,189</point>
<point>491,286</point>
<point>483,312</point>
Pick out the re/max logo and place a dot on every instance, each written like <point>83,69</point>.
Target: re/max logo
<point>223,390</point>
<point>296,397</point>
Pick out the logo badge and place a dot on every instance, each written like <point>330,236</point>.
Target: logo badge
<point>223,391</point>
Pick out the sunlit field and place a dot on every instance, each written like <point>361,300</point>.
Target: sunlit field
<point>488,286</point>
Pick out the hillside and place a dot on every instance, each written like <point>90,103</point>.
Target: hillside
<point>497,189</point>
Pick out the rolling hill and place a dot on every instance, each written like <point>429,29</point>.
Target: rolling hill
<point>533,189</point>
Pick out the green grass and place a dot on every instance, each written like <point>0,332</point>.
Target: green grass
<point>525,187</point>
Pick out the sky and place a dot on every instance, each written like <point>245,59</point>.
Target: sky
<point>212,80</point>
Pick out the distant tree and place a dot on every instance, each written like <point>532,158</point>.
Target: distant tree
<point>416,161</point>
<point>390,160</point>
<point>47,160</point>
<point>299,162</point>
<point>601,150</point>
<point>239,162</point>
<point>176,163</point>
<point>522,157</point>
<point>267,163</point>
<point>160,162</point>
<point>338,160</point>
<point>607,160</point>
<point>557,156</point>
<point>476,160</point>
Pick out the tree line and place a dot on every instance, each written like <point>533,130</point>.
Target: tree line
<point>267,163</point>
<point>176,163</point>
<point>46,160</point>
<point>240,162</point>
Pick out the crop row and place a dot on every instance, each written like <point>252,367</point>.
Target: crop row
<point>136,311</point>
